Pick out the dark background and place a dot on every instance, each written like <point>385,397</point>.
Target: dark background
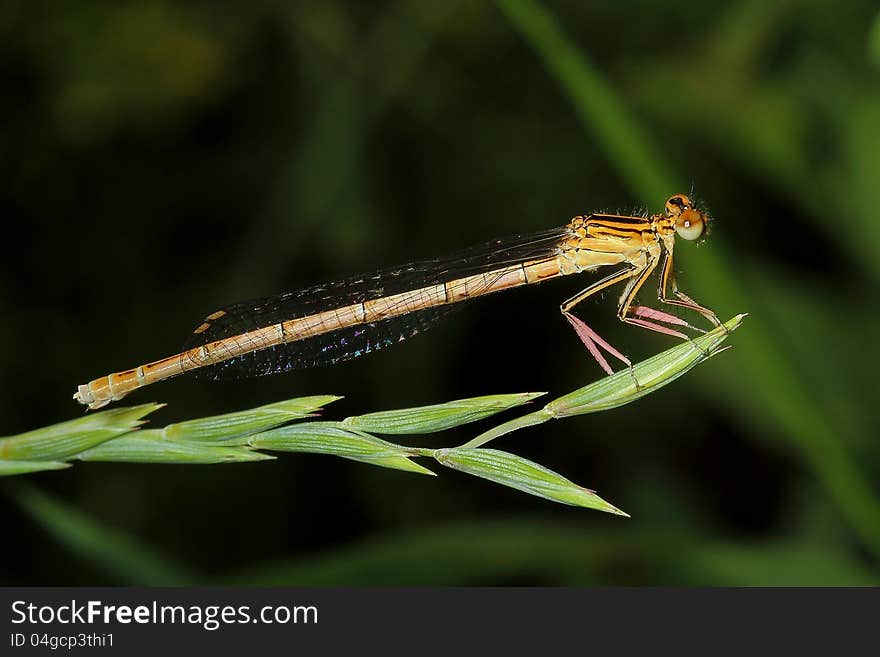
<point>159,160</point>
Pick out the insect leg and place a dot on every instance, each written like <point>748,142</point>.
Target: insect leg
<point>588,336</point>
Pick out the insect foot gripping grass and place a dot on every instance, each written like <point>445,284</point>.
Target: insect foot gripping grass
<point>116,435</point>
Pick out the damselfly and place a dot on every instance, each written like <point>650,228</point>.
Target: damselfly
<point>342,320</point>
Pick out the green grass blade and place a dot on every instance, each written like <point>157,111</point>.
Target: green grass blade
<point>331,438</point>
<point>620,388</point>
<point>609,120</point>
<point>105,549</point>
<point>231,426</point>
<point>59,441</point>
<point>151,447</point>
<point>516,472</point>
<point>464,554</point>
<point>24,467</point>
<point>651,374</point>
<point>438,417</point>
<point>873,42</point>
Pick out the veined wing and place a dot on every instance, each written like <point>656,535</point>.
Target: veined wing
<point>407,285</point>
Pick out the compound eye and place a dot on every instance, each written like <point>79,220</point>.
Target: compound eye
<point>690,225</point>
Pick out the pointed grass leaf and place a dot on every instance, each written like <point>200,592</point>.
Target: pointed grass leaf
<point>645,377</point>
<point>331,438</point>
<point>620,388</point>
<point>231,426</point>
<point>104,548</point>
<point>150,446</point>
<point>24,467</point>
<point>65,439</point>
<point>516,472</point>
<point>438,417</point>
<point>874,42</point>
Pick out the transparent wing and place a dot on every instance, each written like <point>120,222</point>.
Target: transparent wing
<point>331,347</point>
<point>335,347</point>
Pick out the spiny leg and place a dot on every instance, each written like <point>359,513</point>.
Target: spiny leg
<point>659,328</point>
<point>592,340</point>
<point>646,312</point>
<point>686,302</point>
<point>626,309</point>
<point>682,300</point>
<point>653,326</point>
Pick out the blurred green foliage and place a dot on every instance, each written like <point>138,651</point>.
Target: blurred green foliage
<point>160,160</point>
